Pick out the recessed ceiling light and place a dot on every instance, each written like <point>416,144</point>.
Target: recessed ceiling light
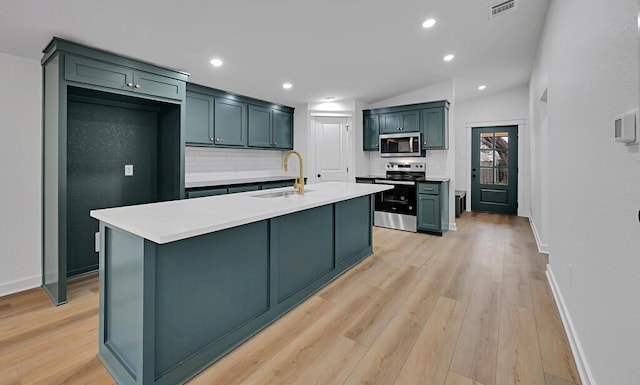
<point>429,23</point>
<point>287,86</point>
<point>449,57</point>
<point>216,62</point>
<point>482,87</point>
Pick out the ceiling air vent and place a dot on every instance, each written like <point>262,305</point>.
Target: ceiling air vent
<point>502,8</point>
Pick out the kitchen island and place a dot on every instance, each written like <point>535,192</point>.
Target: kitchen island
<point>184,282</point>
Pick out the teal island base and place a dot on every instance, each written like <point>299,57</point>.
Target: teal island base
<point>168,311</point>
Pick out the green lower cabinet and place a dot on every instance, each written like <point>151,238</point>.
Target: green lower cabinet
<point>206,192</point>
<point>429,212</point>
<point>433,208</point>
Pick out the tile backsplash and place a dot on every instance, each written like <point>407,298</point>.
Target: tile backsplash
<point>200,160</point>
<point>436,161</point>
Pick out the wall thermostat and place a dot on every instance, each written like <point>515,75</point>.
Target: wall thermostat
<point>626,128</point>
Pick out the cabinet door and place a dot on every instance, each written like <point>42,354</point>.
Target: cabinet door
<point>410,121</point>
<point>371,133</point>
<point>156,85</point>
<point>199,119</point>
<point>434,128</point>
<point>207,192</point>
<point>259,126</point>
<point>429,212</point>
<point>390,123</point>
<point>244,188</point>
<point>230,122</point>
<point>282,130</point>
<point>88,71</point>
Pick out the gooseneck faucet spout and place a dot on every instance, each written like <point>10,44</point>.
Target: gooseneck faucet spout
<point>299,184</point>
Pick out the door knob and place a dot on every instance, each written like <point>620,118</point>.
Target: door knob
<point>474,175</point>
<point>319,175</point>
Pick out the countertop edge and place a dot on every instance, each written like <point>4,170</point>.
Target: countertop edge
<point>163,239</point>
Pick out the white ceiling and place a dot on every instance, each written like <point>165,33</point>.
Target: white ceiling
<point>350,49</point>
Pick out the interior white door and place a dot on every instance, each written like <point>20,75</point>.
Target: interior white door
<point>332,149</point>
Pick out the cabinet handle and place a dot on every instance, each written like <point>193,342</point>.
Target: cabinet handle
<point>427,189</point>
<point>217,139</point>
<point>425,143</point>
<point>129,84</point>
<point>275,143</point>
<point>138,86</point>
<point>211,139</point>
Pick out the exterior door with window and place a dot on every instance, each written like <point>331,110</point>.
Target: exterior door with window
<point>494,169</point>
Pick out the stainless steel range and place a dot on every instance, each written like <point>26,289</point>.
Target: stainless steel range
<point>396,209</point>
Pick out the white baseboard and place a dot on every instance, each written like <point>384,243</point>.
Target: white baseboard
<point>584,370</point>
<point>7,288</point>
<point>453,226</point>
<point>542,248</point>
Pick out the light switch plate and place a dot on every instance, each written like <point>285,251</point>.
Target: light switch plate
<point>128,170</point>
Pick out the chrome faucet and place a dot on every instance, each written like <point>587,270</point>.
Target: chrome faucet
<point>299,184</point>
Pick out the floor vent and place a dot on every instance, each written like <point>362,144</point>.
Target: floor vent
<point>502,8</point>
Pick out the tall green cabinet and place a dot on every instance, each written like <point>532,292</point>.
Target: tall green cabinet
<point>112,136</point>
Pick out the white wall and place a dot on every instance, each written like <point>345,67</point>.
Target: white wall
<point>20,171</point>
<point>440,163</point>
<point>503,108</point>
<point>588,58</point>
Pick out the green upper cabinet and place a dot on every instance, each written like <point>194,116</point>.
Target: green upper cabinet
<point>104,74</point>
<point>434,128</point>
<point>430,119</point>
<point>230,122</point>
<point>371,124</point>
<point>282,130</point>
<point>199,118</point>
<point>405,121</point>
<point>270,128</point>
<point>216,118</point>
<point>259,134</point>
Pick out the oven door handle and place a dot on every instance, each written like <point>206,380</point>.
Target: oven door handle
<point>399,182</point>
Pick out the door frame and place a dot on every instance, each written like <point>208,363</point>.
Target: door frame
<point>523,160</point>
<point>311,162</point>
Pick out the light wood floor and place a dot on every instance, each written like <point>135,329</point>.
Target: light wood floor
<point>470,308</point>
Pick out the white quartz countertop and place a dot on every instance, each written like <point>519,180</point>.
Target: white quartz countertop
<point>170,221</point>
<point>207,180</point>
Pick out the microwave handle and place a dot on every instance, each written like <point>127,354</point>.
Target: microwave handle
<point>411,145</point>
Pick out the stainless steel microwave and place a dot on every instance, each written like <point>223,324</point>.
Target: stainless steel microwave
<point>404,144</point>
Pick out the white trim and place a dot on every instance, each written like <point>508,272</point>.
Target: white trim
<point>523,156</point>
<point>584,370</point>
<point>347,114</point>
<point>453,226</point>
<point>542,248</point>
<point>20,285</point>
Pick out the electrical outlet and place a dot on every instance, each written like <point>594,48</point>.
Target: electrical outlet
<point>128,170</point>
<point>97,242</point>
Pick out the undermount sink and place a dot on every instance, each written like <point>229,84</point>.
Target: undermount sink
<point>279,194</point>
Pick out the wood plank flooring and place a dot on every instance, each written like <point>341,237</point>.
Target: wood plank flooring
<point>470,308</point>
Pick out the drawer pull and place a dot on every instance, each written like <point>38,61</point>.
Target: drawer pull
<point>138,86</point>
<point>427,189</point>
<point>129,84</point>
